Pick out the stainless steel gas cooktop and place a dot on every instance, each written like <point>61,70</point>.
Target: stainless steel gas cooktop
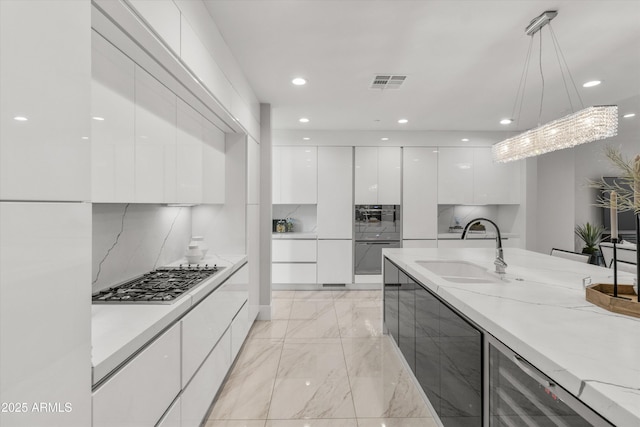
<point>161,286</point>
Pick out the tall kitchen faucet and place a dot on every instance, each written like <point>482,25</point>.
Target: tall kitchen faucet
<point>499,262</point>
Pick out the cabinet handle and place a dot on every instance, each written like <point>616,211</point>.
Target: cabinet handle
<point>530,370</point>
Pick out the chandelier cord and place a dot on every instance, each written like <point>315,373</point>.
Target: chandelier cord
<point>522,85</point>
<point>556,45</point>
<point>542,78</point>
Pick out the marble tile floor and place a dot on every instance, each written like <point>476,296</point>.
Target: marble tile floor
<point>321,362</point>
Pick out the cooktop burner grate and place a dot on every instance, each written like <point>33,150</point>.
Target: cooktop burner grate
<point>161,286</point>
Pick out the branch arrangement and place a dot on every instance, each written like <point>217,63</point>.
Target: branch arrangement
<point>624,185</point>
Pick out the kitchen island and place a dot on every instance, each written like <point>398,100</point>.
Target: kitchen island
<point>539,311</point>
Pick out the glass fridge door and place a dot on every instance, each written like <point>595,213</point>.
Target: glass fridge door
<point>521,395</point>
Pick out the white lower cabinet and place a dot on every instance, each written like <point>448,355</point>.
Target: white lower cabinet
<point>293,251</point>
<point>293,273</point>
<point>335,261</point>
<point>203,326</point>
<point>239,330</point>
<point>199,393</point>
<point>140,393</point>
<point>173,416</point>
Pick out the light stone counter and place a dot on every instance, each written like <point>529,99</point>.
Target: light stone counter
<point>295,235</point>
<point>118,331</point>
<point>591,352</point>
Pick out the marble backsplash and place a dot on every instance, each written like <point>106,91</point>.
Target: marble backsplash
<point>132,239</point>
<point>304,217</point>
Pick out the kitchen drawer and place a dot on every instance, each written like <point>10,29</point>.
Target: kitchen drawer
<point>203,326</point>
<point>140,393</point>
<point>293,250</point>
<point>239,330</point>
<point>293,273</point>
<point>198,395</point>
<point>173,416</point>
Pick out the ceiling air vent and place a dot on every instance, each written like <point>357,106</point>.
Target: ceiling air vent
<point>387,81</point>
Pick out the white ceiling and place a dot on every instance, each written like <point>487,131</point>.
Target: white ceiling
<point>463,58</point>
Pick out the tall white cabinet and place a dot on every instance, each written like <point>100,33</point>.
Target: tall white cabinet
<point>378,175</point>
<point>335,215</point>
<point>45,222</point>
<point>420,193</point>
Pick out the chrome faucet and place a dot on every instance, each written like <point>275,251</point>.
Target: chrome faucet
<point>499,262</point>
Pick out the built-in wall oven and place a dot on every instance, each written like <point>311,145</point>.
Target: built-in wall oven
<point>376,227</point>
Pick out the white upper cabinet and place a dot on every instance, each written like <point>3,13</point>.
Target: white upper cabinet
<point>155,130</point>
<point>112,138</point>
<point>495,183</point>
<point>469,176</point>
<point>378,175</point>
<point>189,154</point>
<point>213,164</point>
<point>366,180</point>
<point>297,173</point>
<point>389,175</point>
<point>164,17</point>
<point>420,195</point>
<point>455,176</point>
<point>45,79</point>
<point>276,166</point>
<point>335,193</point>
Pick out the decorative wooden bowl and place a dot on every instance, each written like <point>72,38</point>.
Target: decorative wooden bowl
<point>601,294</point>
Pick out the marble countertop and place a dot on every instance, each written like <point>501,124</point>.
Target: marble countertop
<point>119,330</point>
<point>591,352</point>
<point>294,235</point>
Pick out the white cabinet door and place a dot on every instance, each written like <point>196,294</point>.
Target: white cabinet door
<point>199,394</point>
<point>164,18</point>
<point>389,175</point>
<point>366,175</point>
<point>276,172</point>
<point>298,175</point>
<point>293,250</point>
<point>420,193</point>
<point>45,253</point>
<point>293,273</point>
<point>494,183</point>
<point>455,176</point>
<point>155,160</point>
<point>189,143</point>
<point>45,77</point>
<point>173,417</point>
<point>112,139</point>
<point>335,192</point>
<point>213,164</point>
<point>335,261</point>
<point>139,392</point>
<point>239,330</point>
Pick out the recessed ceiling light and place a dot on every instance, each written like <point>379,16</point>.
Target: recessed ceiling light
<point>384,139</point>
<point>304,120</point>
<point>403,121</point>
<point>20,119</point>
<point>592,83</point>
<point>85,137</point>
<point>628,116</point>
<point>306,138</point>
<point>465,140</point>
<point>299,81</point>
<point>506,121</point>
<point>98,118</point>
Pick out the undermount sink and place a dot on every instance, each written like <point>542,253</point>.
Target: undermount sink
<point>459,271</point>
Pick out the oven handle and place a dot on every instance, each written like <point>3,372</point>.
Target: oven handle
<point>374,242</point>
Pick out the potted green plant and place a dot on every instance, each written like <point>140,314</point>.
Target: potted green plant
<point>591,235</point>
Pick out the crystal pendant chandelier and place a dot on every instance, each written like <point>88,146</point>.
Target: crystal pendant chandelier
<point>587,125</point>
